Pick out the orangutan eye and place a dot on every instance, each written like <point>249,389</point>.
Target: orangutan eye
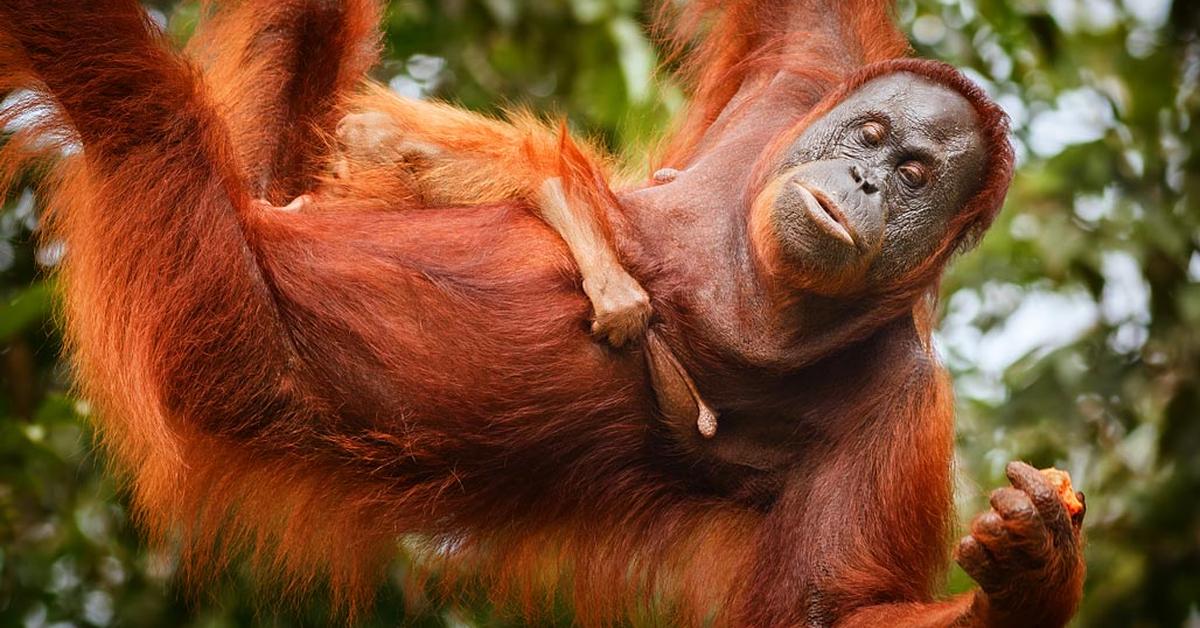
<point>914,173</point>
<point>873,133</point>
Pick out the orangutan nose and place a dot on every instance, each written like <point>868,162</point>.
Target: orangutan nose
<point>865,181</point>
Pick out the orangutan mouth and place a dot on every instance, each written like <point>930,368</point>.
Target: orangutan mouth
<point>827,215</point>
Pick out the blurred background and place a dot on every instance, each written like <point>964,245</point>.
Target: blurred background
<point>1073,331</point>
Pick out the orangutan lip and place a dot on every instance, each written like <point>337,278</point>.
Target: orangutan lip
<point>827,214</point>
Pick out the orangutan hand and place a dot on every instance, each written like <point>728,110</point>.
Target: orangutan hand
<point>1026,553</point>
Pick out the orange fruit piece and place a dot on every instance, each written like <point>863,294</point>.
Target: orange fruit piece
<point>1061,481</point>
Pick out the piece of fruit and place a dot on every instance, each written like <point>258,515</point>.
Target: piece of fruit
<point>1061,481</point>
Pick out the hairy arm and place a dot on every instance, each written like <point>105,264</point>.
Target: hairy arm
<point>279,72</point>
<point>731,52</point>
<point>865,520</point>
<point>860,535</point>
<point>1025,553</point>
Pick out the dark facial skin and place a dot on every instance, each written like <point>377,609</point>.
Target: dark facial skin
<point>866,190</point>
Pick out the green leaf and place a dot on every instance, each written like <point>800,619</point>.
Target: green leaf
<point>32,304</point>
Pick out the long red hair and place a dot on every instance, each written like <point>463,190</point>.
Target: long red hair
<point>270,387</point>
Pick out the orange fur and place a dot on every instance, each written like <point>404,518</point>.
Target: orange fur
<point>304,389</point>
<point>727,47</point>
<point>486,160</point>
<point>252,53</point>
<point>963,230</point>
<point>479,160</point>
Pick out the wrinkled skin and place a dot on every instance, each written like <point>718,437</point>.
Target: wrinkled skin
<point>315,414</point>
<point>1026,552</point>
<point>865,191</point>
<point>862,197</point>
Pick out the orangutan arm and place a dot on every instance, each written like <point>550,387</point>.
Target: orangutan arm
<point>861,536</point>
<point>1025,553</point>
